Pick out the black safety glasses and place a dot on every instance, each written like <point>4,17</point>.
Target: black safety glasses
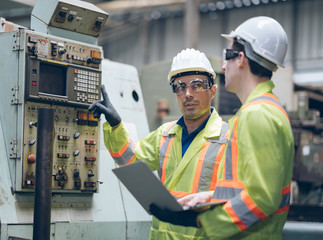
<point>229,54</point>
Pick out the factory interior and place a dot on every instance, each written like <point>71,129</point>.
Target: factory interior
<point>76,46</point>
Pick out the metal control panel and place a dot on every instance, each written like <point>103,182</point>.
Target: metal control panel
<point>75,150</point>
<point>65,76</point>
<point>59,70</point>
<point>62,74</point>
<point>87,21</point>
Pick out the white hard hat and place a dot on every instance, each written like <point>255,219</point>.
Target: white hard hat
<point>190,61</point>
<point>264,39</point>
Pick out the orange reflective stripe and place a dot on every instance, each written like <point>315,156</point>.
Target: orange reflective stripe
<point>199,167</point>
<point>162,140</point>
<point>169,126</point>
<point>165,160</point>
<point>234,216</point>
<point>224,183</point>
<point>284,206</point>
<point>274,102</point>
<point>271,95</point>
<point>286,189</point>
<point>216,167</point>
<point>234,147</point>
<point>251,205</point>
<point>216,200</point>
<point>283,209</point>
<point>267,102</point>
<point>166,130</point>
<point>217,163</point>
<point>163,157</point>
<point>179,194</point>
<point>122,150</point>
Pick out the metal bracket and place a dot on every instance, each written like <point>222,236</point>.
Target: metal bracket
<point>15,95</point>
<point>13,148</point>
<point>16,41</point>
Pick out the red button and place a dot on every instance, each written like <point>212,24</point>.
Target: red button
<point>34,83</point>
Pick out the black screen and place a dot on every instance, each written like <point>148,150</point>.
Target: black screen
<point>52,79</point>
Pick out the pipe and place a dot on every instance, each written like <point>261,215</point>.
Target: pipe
<point>44,166</point>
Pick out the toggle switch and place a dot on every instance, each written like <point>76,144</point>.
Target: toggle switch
<point>76,153</point>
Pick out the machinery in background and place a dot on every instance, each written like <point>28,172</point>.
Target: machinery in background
<point>57,64</point>
<point>307,124</point>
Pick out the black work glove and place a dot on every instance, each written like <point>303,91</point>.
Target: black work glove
<point>104,106</point>
<point>184,218</point>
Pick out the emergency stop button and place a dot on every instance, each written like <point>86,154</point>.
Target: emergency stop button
<point>31,158</point>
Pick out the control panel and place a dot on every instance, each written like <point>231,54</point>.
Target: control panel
<point>64,75</point>
<point>53,48</point>
<point>75,148</point>
<point>76,17</point>
<point>62,71</point>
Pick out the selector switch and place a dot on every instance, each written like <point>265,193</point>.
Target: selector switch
<point>76,135</point>
<point>76,153</point>
<point>32,142</point>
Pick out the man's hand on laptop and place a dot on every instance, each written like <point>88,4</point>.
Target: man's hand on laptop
<point>195,198</point>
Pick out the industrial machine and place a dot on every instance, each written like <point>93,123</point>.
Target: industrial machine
<point>57,64</point>
<point>307,124</point>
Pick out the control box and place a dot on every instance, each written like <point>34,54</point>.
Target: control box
<point>45,71</point>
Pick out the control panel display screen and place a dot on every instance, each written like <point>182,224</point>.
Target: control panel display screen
<point>52,79</point>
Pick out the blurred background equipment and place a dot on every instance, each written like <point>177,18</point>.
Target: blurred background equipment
<point>143,35</point>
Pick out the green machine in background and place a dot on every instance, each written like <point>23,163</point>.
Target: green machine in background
<point>57,64</point>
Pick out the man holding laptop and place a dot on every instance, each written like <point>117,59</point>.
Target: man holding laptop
<point>255,172</point>
<point>186,152</point>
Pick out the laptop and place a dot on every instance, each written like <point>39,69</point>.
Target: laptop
<point>144,185</point>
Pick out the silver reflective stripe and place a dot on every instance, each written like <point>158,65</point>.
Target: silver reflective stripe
<point>268,98</point>
<point>243,212</point>
<point>162,154</point>
<point>127,155</point>
<point>209,160</point>
<point>164,147</point>
<point>225,193</point>
<point>228,158</point>
<point>285,200</point>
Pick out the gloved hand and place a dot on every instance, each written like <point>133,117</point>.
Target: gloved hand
<point>104,106</point>
<point>184,218</point>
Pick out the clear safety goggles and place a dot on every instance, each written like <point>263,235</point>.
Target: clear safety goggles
<point>229,54</point>
<point>197,85</point>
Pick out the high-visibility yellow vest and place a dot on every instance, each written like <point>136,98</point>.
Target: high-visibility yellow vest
<point>162,151</point>
<point>255,173</point>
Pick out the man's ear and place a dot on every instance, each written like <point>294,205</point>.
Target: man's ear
<point>213,90</point>
<point>243,60</point>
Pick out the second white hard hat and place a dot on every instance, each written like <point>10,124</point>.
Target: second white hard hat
<point>265,37</point>
<point>190,61</point>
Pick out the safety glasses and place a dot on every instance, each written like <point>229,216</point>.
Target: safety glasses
<point>229,54</point>
<point>196,85</point>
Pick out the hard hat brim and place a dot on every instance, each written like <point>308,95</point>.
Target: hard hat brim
<point>176,72</point>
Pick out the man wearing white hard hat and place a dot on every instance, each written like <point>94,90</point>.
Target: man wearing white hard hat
<point>186,152</point>
<point>255,172</point>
